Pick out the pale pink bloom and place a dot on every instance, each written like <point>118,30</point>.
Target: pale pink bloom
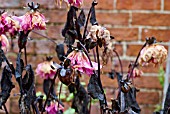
<point>31,20</point>
<point>101,32</point>
<point>136,72</point>
<point>44,70</point>
<point>154,53</point>
<point>80,62</point>
<point>53,108</point>
<point>4,43</point>
<point>76,3</point>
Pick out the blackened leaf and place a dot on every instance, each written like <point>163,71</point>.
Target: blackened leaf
<point>70,21</point>
<point>93,20</point>
<point>81,99</point>
<point>151,40</point>
<point>19,66</point>
<point>60,51</point>
<point>22,39</point>
<point>46,87</point>
<point>167,100</point>
<point>94,88</point>
<point>130,100</point>
<point>70,37</point>
<point>2,56</point>
<point>6,85</point>
<point>81,19</point>
<point>115,106</point>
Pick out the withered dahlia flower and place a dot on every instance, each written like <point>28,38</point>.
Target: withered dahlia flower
<point>53,108</point>
<point>80,62</point>
<point>153,53</point>
<point>44,70</point>
<point>101,32</point>
<point>4,43</point>
<point>76,3</point>
<point>31,20</point>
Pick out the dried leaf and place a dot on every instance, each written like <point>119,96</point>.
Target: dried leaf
<point>93,20</point>
<point>6,85</point>
<point>2,56</point>
<point>60,51</point>
<point>94,88</point>
<point>81,19</point>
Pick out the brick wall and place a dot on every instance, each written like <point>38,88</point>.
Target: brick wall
<point>129,21</point>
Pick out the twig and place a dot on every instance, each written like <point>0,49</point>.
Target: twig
<point>6,111</point>
<point>120,62</point>
<point>59,95</point>
<point>44,36</point>
<point>48,95</point>
<point>25,51</point>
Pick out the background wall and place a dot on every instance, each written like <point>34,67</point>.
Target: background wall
<point>129,21</point>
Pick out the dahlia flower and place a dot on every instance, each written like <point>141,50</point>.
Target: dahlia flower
<point>80,62</point>
<point>153,53</point>
<point>31,20</point>
<point>53,108</point>
<point>4,43</point>
<point>101,32</point>
<point>76,3</point>
<point>44,70</point>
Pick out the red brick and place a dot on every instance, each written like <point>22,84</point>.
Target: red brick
<point>160,35</point>
<point>56,16</point>
<point>125,64</point>
<point>34,36</point>
<point>150,69</point>
<point>135,48</point>
<point>9,3</point>
<point>124,34</point>
<point>151,19</point>
<point>55,32</point>
<point>147,110</point>
<point>166,4</point>
<point>139,4</point>
<point>148,82</point>
<point>148,97</point>
<point>45,47</point>
<point>113,18</point>
<point>102,4</point>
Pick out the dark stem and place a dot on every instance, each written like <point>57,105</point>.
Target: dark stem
<point>25,51</point>
<point>134,65</point>
<point>94,54</point>
<point>48,95</point>
<point>59,96</point>
<point>90,106</point>
<point>44,36</point>
<point>6,111</point>
<point>99,79</point>
<point>120,62</point>
<point>85,28</point>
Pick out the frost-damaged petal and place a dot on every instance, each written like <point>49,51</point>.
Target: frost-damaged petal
<point>44,70</point>
<point>53,108</point>
<point>153,53</point>
<point>80,61</point>
<point>4,42</point>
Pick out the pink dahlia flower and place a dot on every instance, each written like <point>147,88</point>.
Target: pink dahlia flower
<point>31,20</point>
<point>80,62</point>
<point>4,43</point>
<point>76,3</point>
<point>154,53</point>
<point>44,70</point>
<point>53,108</point>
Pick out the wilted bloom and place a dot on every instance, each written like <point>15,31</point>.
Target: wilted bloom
<point>80,61</point>
<point>44,70</point>
<point>31,20</point>
<point>101,32</point>
<point>76,3</point>
<point>153,53</point>
<point>4,43</point>
<point>136,72</point>
<point>53,108</point>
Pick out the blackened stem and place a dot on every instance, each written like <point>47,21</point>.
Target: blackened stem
<point>99,79</point>
<point>48,95</point>
<point>6,111</point>
<point>25,51</point>
<point>135,64</point>
<point>59,96</point>
<point>120,62</point>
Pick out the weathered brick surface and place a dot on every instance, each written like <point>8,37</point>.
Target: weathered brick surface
<point>113,18</point>
<point>124,34</point>
<point>167,3</point>
<point>150,19</point>
<point>139,4</point>
<point>160,35</point>
<point>148,97</point>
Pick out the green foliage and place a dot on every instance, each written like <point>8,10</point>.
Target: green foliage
<point>70,97</point>
<point>161,76</point>
<point>70,111</point>
<point>40,93</point>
